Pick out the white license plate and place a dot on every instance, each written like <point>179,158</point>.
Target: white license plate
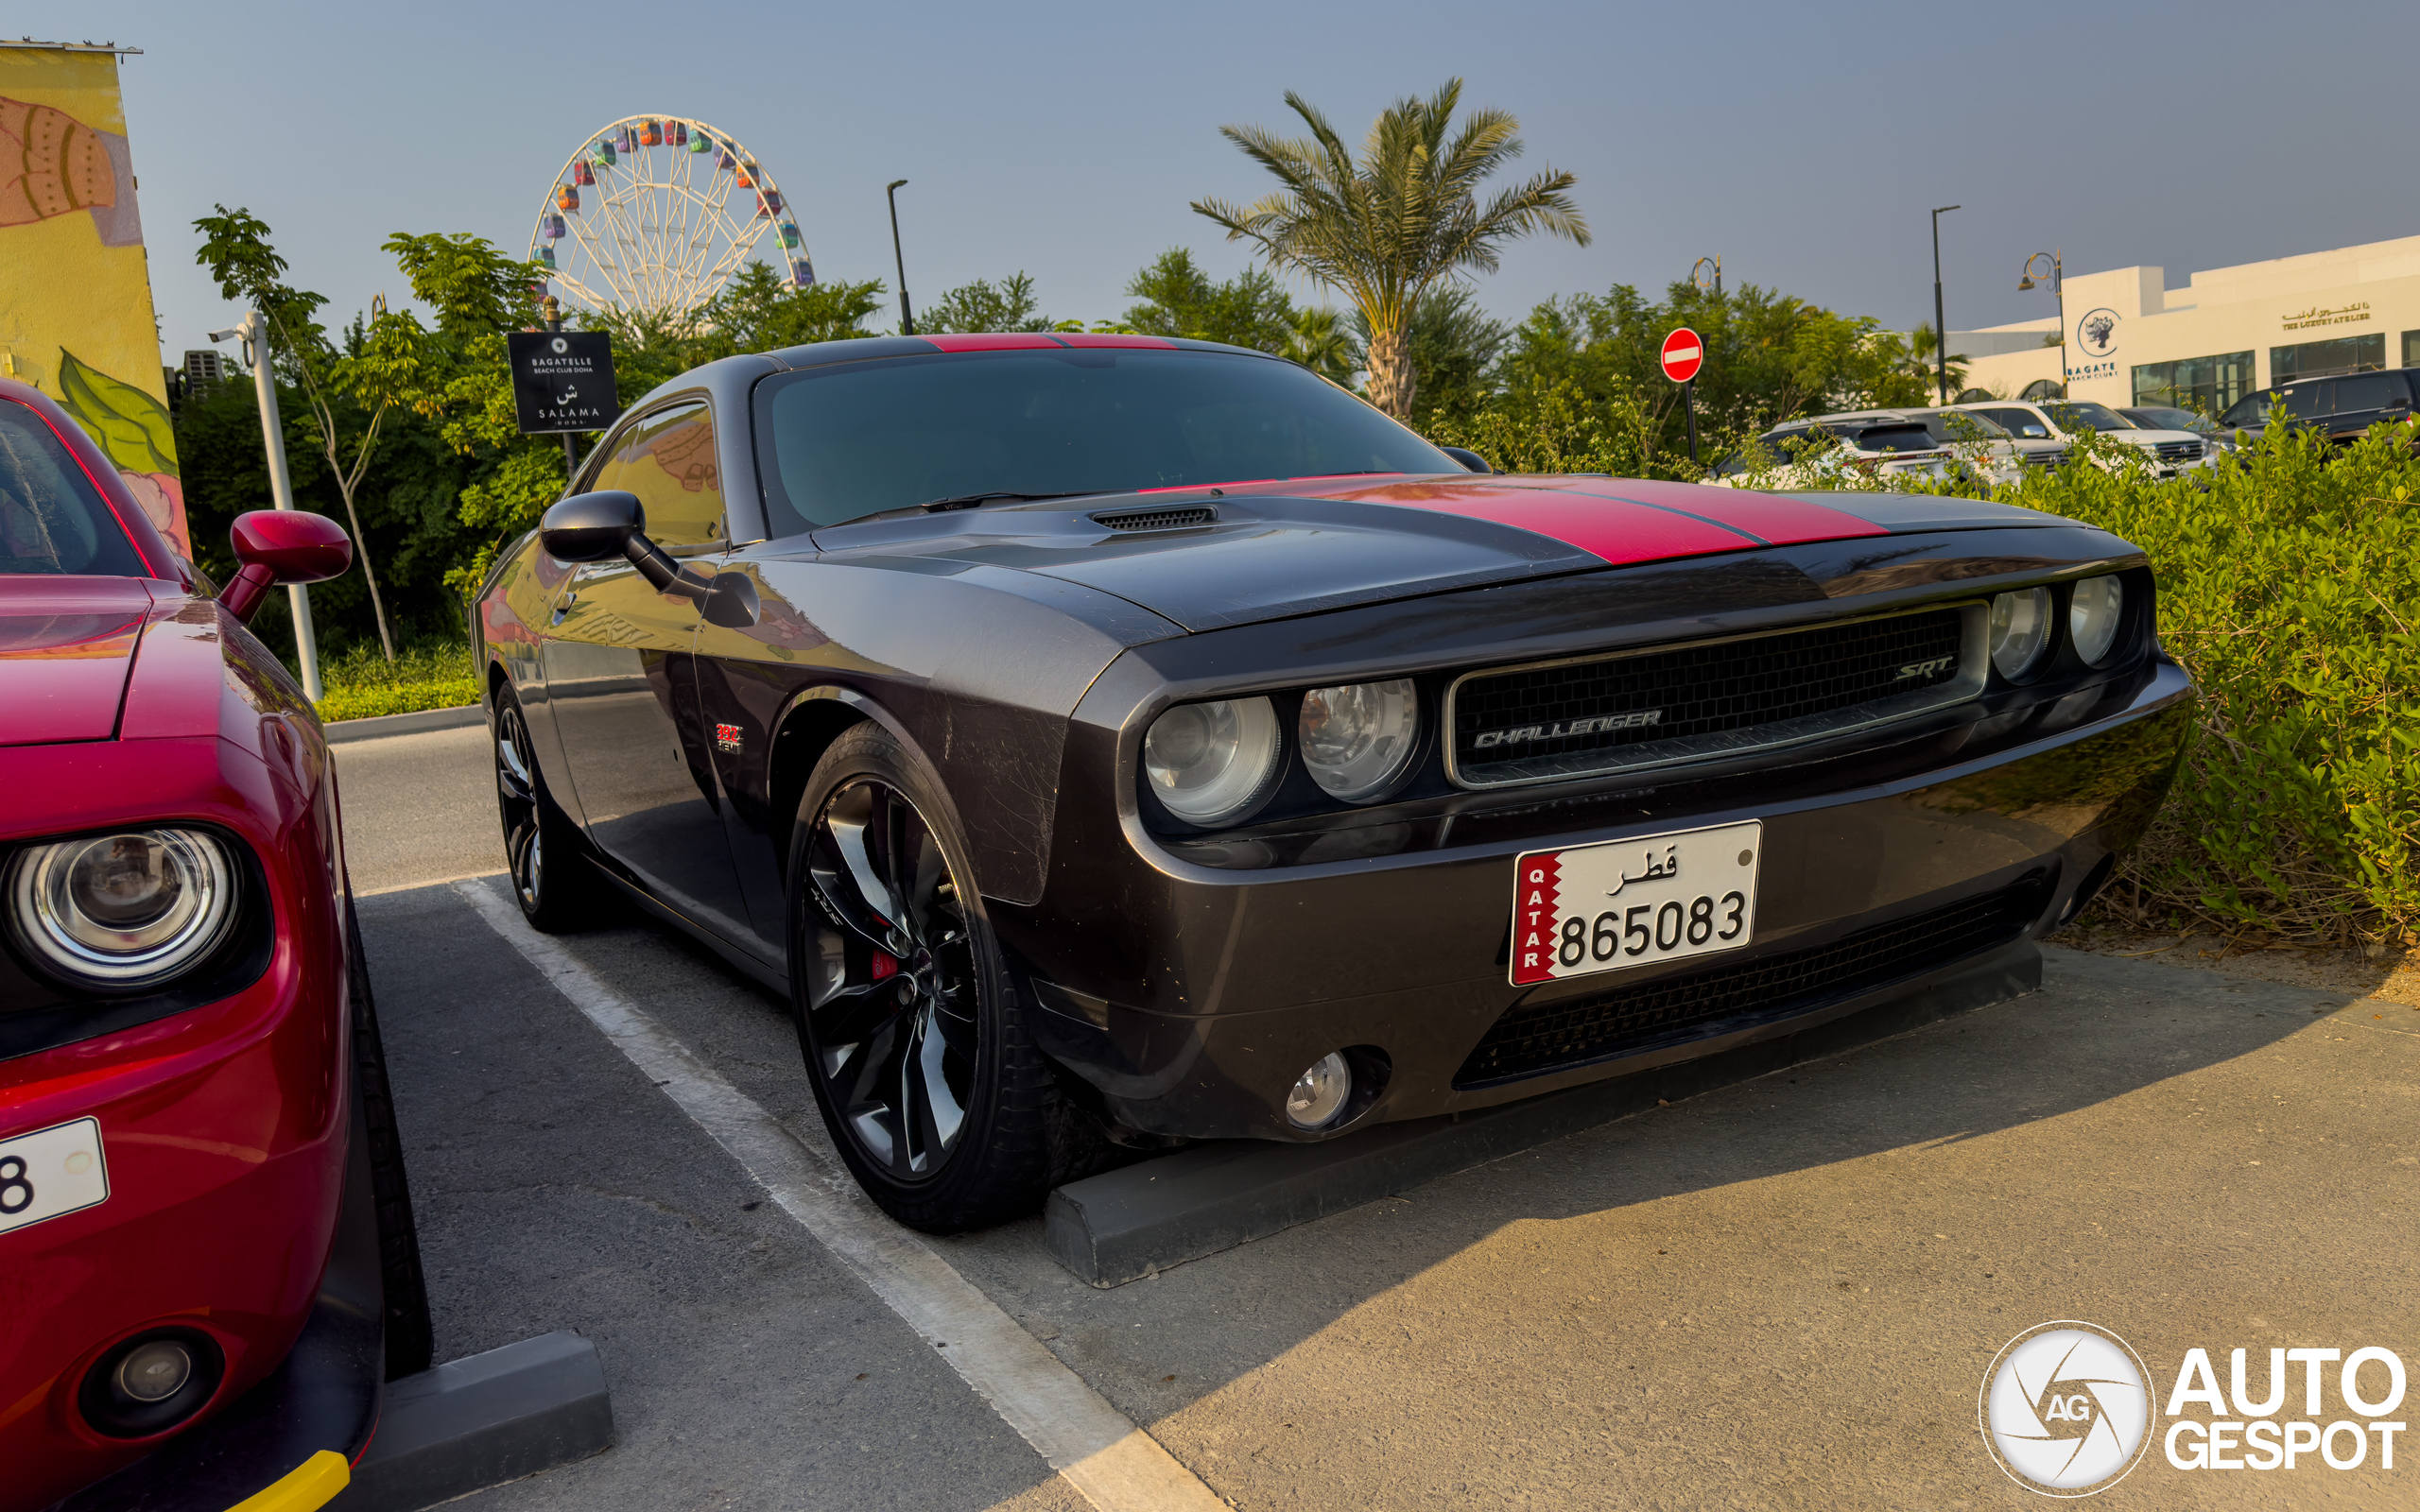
<point>50,1172</point>
<point>1634,903</point>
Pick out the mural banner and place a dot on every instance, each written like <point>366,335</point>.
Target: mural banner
<point>75,316</point>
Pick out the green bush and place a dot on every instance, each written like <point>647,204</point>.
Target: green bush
<point>361,683</point>
<point>2290,588</point>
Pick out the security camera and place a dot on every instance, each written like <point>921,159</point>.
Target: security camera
<point>224,336</point>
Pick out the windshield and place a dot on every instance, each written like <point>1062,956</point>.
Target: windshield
<point>51,519</point>
<point>2022,423</point>
<point>1949,425</point>
<point>2083,415</point>
<point>842,442</point>
<point>2167,420</point>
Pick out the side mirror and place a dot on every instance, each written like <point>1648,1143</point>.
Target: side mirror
<point>1472,461</point>
<point>609,522</point>
<point>590,526</point>
<point>278,547</point>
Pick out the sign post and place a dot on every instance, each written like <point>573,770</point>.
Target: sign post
<point>1682,355</point>
<point>563,383</point>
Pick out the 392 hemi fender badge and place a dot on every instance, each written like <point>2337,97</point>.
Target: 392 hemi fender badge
<point>727,737</point>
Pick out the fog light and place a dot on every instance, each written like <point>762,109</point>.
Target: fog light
<point>151,1382</point>
<point>1319,1091</point>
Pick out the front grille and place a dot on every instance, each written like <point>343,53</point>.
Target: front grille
<point>2178,451</point>
<point>1543,1036</point>
<point>1156,518</point>
<point>2046,458</point>
<point>1715,698</point>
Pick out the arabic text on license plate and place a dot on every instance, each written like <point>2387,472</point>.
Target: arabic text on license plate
<point>1633,902</point>
<point>52,1171</point>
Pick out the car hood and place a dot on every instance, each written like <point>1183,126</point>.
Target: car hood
<point>1298,546</point>
<point>66,647</point>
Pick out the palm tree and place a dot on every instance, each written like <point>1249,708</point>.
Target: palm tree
<point>1318,339</point>
<point>1385,229</point>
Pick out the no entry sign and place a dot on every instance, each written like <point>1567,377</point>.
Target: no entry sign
<point>1683,354</point>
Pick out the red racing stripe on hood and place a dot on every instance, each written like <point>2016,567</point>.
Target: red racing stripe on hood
<point>1620,530</point>
<point>1767,516</point>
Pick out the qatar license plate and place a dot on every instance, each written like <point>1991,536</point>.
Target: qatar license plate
<point>1634,903</point>
<point>50,1172</point>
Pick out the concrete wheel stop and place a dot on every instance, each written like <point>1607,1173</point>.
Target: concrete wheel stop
<point>483,1420</point>
<point>1125,1224</point>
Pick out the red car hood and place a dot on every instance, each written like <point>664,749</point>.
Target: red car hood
<point>66,647</point>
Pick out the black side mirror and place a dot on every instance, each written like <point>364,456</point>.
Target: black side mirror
<point>1472,461</point>
<point>592,526</point>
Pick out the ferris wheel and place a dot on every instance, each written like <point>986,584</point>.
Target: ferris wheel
<point>656,212</point>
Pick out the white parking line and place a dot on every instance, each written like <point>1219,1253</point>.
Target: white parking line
<point>1114,1465</point>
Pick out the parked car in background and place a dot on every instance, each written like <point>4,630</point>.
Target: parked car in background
<point>1888,443</point>
<point>207,1260</point>
<point>1110,738</point>
<point>2343,405</point>
<point>2169,417</point>
<point>2061,420</point>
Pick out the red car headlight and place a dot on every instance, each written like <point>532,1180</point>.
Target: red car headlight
<point>122,912</point>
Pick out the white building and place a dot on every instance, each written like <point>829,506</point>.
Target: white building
<point>2131,340</point>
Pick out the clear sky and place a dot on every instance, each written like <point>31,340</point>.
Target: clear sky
<point>1804,143</point>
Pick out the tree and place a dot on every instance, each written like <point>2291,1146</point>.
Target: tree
<point>1321,340</point>
<point>1010,306</point>
<point>1385,229</point>
<point>1923,346</point>
<point>1180,299</point>
<point>1453,349</point>
<point>348,389</point>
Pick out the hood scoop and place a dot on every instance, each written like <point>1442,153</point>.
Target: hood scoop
<point>1177,518</point>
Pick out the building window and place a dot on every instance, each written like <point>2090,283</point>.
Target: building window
<point>2205,385</point>
<point>2321,359</point>
<point>2412,349</point>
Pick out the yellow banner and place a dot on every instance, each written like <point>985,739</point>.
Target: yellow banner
<point>76,314</point>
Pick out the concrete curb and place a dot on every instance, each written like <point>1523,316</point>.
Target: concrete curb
<point>414,723</point>
<point>484,1420</point>
<point>1125,1224</point>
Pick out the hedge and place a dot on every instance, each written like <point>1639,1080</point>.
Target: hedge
<point>362,683</point>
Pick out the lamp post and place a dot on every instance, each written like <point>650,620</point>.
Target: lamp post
<point>1939,325</point>
<point>253,329</point>
<point>906,322</point>
<point>1715,263</point>
<point>553,311</point>
<point>2058,287</point>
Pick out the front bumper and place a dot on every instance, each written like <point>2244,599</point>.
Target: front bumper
<point>1189,1002</point>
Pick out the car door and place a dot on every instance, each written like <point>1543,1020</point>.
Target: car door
<point>2364,399</point>
<point>620,675</point>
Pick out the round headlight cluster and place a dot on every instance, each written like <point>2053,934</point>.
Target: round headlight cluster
<point>122,912</point>
<point>1213,762</point>
<point>1358,739</point>
<point>2020,630</point>
<point>2096,609</point>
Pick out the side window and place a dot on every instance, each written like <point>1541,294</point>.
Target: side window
<point>667,459</point>
<point>2020,423</point>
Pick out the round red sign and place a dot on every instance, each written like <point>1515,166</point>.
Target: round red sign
<point>1683,354</point>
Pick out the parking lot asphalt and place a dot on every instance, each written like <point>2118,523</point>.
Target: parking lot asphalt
<point>1782,1294</point>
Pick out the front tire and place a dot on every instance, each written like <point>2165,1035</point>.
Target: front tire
<point>915,1040</point>
<point>543,855</point>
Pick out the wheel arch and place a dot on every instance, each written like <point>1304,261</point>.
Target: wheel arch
<point>805,730</point>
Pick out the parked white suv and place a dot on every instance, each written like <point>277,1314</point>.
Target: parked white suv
<point>2046,431</point>
<point>1873,443</point>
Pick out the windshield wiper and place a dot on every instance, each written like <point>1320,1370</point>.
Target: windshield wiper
<point>968,501</point>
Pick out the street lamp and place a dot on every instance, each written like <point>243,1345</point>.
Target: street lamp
<point>2059,287</point>
<point>1939,325</point>
<point>906,322</point>
<point>253,329</point>
<point>1715,263</point>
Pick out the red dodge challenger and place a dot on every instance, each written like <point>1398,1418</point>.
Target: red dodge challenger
<point>207,1261</point>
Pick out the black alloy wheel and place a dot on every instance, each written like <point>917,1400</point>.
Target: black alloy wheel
<point>542,849</point>
<point>929,1081</point>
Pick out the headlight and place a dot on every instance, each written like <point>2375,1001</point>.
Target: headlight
<point>1210,762</point>
<point>1357,740</point>
<point>2095,610</point>
<point>2020,629</point>
<point>122,912</point>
